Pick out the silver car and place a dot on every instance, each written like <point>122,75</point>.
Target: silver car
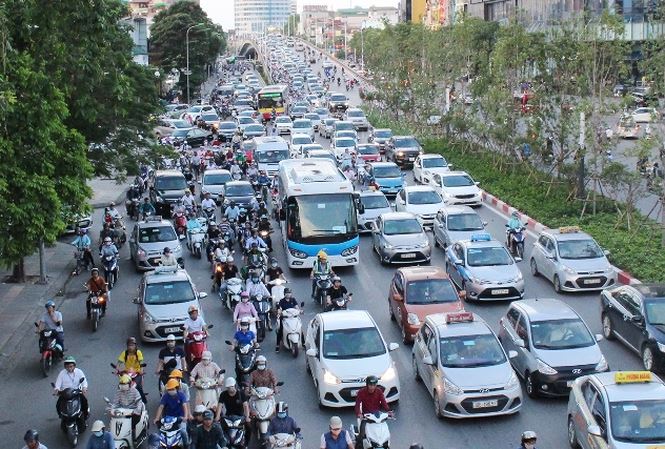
<point>165,296</point>
<point>148,240</point>
<point>357,117</point>
<point>398,237</point>
<point>484,269</point>
<point>554,345</point>
<point>571,260</point>
<point>464,367</point>
<point>455,223</point>
<point>213,182</point>
<point>327,129</point>
<point>375,203</point>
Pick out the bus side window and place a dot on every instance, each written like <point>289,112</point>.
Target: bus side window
<point>293,230</point>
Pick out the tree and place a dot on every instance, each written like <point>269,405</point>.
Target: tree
<point>291,25</point>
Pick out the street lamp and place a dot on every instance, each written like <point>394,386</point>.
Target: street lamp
<point>362,47</point>
<point>189,72</point>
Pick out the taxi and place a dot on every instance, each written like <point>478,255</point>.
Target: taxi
<point>461,362</point>
<point>617,410</point>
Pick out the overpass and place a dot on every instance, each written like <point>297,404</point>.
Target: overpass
<point>247,49</point>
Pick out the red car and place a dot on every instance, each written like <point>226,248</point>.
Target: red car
<point>369,152</point>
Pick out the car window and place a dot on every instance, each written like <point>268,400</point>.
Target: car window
<point>459,252</point>
<point>426,333</point>
<point>512,316</point>
<point>441,217</point>
<point>399,287</point>
<point>598,412</point>
<point>627,301</point>
<point>157,234</point>
<point>521,329</point>
<point>169,292</point>
<point>542,241</point>
<point>402,195</point>
<point>431,348</point>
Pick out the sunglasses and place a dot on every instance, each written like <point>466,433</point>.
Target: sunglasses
<point>335,429</point>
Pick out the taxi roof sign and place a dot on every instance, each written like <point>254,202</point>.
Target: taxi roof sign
<point>631,377</point>
<point>459,317</point>
<point>481,237</point>
<point>166,269</point>
<point>569,229</point>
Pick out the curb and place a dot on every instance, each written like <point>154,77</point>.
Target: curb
<point>117,201</point>
<point>623,277</point>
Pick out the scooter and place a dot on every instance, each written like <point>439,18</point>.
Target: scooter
<point>49,349</point>
<point>233,290</point>
<point>263,307</point>
<point>196,241</point>
<point>195,346</point>
<point>71,414</point>
<point>265,235</point>
<point>120,426</point>
<point>323,285</point>
<point>207,392</point>
<point>234,431</point>
<point>340,303</point>
<point>132,209</point>
<point>169,433</point>
<point>286,440</point>
<point>111,270</point>
<point>262,405</point>
<point>377,433</point>
<point>245,362</point>
<point>515,242</point>
<point>96,306</point>
<point>292,338</point>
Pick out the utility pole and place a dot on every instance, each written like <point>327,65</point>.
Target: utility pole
<point>189,72</point>
<point>345,48</point>
<point>580,157</point>
<point>362,47</point>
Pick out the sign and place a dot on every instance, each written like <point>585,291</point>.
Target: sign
<point>631,377</point>
<point>459,317</point>
<point>569,229</point>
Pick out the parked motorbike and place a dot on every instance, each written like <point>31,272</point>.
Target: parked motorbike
<point>263,307</point>
<point>195,346</point>
<point>292,338</point>
<point>111,270</point>
<point>262,404</point>
<point>234,431</point>
<point>120,426</point>
<point>515,242</point>
<point>97,302</point>
<point>377,433</point>
<point>245,362</point>
<point>49,349</point>
<point>169,433</point>
<point>71,413</point>
<point>323,286</point>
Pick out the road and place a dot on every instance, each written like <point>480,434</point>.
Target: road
<point>368,281</point>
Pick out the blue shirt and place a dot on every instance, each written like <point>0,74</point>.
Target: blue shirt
<point>173,405</point>
<point>232,212</point>
<point>244,338</point>
<point>103,442</point>
<point>82,241</point>
<point>283,425</point>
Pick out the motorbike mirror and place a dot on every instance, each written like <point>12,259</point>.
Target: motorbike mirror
<point>228,342</point>
<point>53,384</point>
<point>302,304</point>
<point>392,346</point>
<point>210,326</point>
<point>82,380</point>
<point>484,223</point>
<point>36,324</point>
<point>520,343</point>
<point>143,365</point>
<point>222,371</point>
<point>107,400</point>
<point>136,301</point>
<point>311,352</point>
<point>427,360</point>
<point>113,365</point>
<point>280,383</point>
<point>203,295</point>
<point>599,337</point>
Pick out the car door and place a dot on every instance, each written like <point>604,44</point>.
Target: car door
<point>549,258</point>
<point>596,414</point>
<point>420,350</point>
<point>435,181</point>
<point>400,201</point>
<point>440,228</point>
<point>140,309</point>
<point>400,290</point>
<point>313,341</point>
<point>457,252</point>
<point>507,332</point>
<point>628,323</point>
<point>376,233</point>
<point>417,169</point>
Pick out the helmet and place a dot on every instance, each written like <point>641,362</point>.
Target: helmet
<point>287,290</point>
<point>49,303</point>
<point>514,213</point>
<point>199,409</point>
<point>230,382</point>
<point>112,204</point>
<point>170,337</point>
<point>371,380</point>
<point>528,435</point>
<point>97,426</point>
<point>69,359</point>
<point>273,262</point>
<point>207,355</point>
<point>172,384</point>
<point>244,321</point>
<point>176,373</point>
<point>337,279</point>
<point>335,421</point>
<point>167,250</point>
<point>282,407</point>
<point>125,379</point>
<point>131,341</point>
<point>212,223</point>
<point>192,308</point>
<point>322,255</point>
<point>261,359</point>
<point>107,239</point>
<point>31,435</point>
<point>229,259</point>
<point>244,295</point>
<point>94,270</point>
<point>416,446</point>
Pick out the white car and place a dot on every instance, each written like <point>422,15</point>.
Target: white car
<point>457,187</point>
<point>426,165</point>
<point>244,122</point>
<point>284,124</point>
<point>303,126</point>
<point>422,201</point>
<point>195,111</point>
<point>645,115</point>
<point>298,141</point>
<point>341,144</point>
<point>343,348</point>
<point>374,204</point>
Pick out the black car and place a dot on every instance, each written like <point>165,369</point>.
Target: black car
<point>635,315</point>
<point>241,192</point>
<point>403,150</point>
<point>166,190</point>
<point>195,137</point>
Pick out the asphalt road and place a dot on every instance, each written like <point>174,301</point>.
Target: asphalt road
<point>28,401</point>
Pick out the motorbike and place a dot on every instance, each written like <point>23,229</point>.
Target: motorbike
<point>233,289</point>
<point>292,338</point>
<point>262,405</point>
<point>169,433</point>
<point>119,227</point>
<point>137,379</point>
<point>276,288</point>
<point>96,306</point>
<point>207,392</point>
<point>195,241</point>
<point>245,362</point>
<point>377,433</point>
<point>111,270</point>
<point>323,286</point>
<point>265,235</point>
<point>263,307</point>
<point>257,263</point>
<point>195,346</point>
<point>71,414</point>
<point>209,213</point>
<point>234,431</point>
<point>181,225</point>
<point>286,440</point>
<point>340,303</point>
<point>81,260</point>
<point>120,426</point>
<point>132,208</point>
<point>49,349</point>
<point>211,248</point>
<point>515,242</point>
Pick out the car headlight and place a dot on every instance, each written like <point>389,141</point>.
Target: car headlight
<point>388,246</point>
<point>512,382</point>
<point>400,153</point>
<point>661,347</point>
<point>480,281</point>
<point>177,248</point>
<point>517,278</point>
<point>423,245</point>
<point>148,319</point>
<point>602,364</point>
<point>451,388</point>
<point>545,368</point>
<point>413,319</point>
<point>567,269</point>
<point>330,379</point>
<point>389,374</point>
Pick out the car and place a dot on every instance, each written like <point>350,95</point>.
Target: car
<point>426,165</point>
<point>381,136</point>
<point>241,192</point>
<point>244,104</point>
<point>176,107</point>
<point>195,111</point>
<point>343,125</point>
<point>76,222</point>
<point>616,410</point>
<point>374,204</point>
<point>165,295</point>
<point>398,237</point>
<point>484,268</point>
<point>369,152</point>
<point>148,240</point>
<point>460,361</point>
<point>325,154</point>
<point>315,119</point>
<point>253,130</point>
<point>168,186</point>
<point>358,118</point>
<point>227,130</point>
<point>284,124</point>
<point>422,201</point>
<point>634,315</point>
<point>571,260</point>
<point>213,182</point>
<point>313,100</point>
<point>328,128</point>
<point>403,150</point>
<point>211,119</point>
<point>457,187</point>
<point>343,348</point>
<point>554,345</point>
<point>194,137</point>
<point>387,176</point>
<point>645,115</point>
<point>455,223</point>
<point>341,144</point>
<point>164,127</point>
<point>337,103</point>
<point>627,128</point>
<point>311,147</point>
<point>416,292</point>
<point>346,133</point>
<point>243,121</point>
<point>303,126</point>
<point>323,114</point>
<point>297,112</point>
<point>297,142</point>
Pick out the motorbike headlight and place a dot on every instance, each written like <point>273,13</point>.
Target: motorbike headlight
<point>413,319</point>
<point>545,368</point>
<point>350,251</point>
<point>661,347</point>
<point>389,374</point>
<point>330,379</point>
<point>512,382</point>
<point>451,388</point>
<point>602,364</point>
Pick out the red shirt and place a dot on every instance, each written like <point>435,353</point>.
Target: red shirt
<point>367,402</point>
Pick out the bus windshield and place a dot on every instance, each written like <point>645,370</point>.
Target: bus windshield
<point>270,102</point>
<point>271,156</point>
<point>321,218</point>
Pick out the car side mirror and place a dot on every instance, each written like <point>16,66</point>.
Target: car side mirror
<point>136,301</point>
<point>450,166</point>
<point>462,295</point>
<point>485,223</point>
<point>598,337</point>
<point>520,343</point>
<point>606,252</point>
<point>477,183</point>
<point>512,354</point>
<point>594,430</point>
<point>312,352</point>
<point>203,295</point>
<point>637,319</point>
<point>427,360</point>
<point>392,346</point>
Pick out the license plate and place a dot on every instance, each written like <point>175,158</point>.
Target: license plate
<point>485,404</point>
<point>411,159</point>
<point>500,291</point>
<point>409,256</point>
<point>171,330</point>
<point>354,393</point>
<point>590,281</point>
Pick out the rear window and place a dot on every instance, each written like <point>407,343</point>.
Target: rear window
<point>157,234</point>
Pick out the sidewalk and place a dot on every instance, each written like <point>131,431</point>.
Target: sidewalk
<point>22,304</point>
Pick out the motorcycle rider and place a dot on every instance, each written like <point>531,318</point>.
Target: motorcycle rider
<point>146,208</point>
<point>263,178</point>
<point>171,352</point>
<point>100,438</point>
<point>208,435</point>
<point>244,336</point>
<point>207,369</point>
<point>83,243</point>
<point>233,401</point>
<point>130,360</point>
<point>108,249</point>
<point>188,201</point>
<point>113,212</point>
<point>208,202</point>
<point>273,272</point>
<point>174,403</point>
<point>107,231</point>
<point>337,437</point>
<point>52,320</point>
<point>230,272</point>
<point>168,259</point>
<point>128,396</point>
<point>254,241</point>
<point>514,225</point>
<point>96,286</point>
<point>287,302</point>
<point>283,423</point>
<point>232,212</point>
<point>176,375</point>
<point>529,439</point>
<point>236,171</point>
<point>262,376</point>
<point>244,309</point>
<point>194,322</point>
<point>31,439</point>
<point>321,267</point>
<point>70,377</point>
<point>264,225</point>
<point>253,172</point>
<point>255,287</point>
<point>336,292</point>
<point>370,399</point>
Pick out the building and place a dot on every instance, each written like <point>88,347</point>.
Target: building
<point>379,14</point>
<point>440,13</point>
<point>315,23</point>
<point>412,10</point>
<point>257,16</point>
<point>148,9</point>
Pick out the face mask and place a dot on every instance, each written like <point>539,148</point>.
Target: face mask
<point>281,415</point>
<point>529,445</point>
<point>98,434</point>
<point>124,387</point>
<point>206,362</point>
<point>245,300</point>
<point>260,367</point>
<point>172,392</point>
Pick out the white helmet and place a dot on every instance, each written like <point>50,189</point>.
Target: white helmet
<point>230,382</point>
<point>229,259</point>
<point>261,359</point>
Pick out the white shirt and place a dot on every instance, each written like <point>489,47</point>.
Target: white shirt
<point>187,200</point>
<point>194,325</point>
<point>71,380</point>
<point>208,202</point>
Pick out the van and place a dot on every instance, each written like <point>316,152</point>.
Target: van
<point>269,151</point>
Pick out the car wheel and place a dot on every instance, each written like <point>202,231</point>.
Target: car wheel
<point>390,312</point>
<point>529,385</point>
<point>416,373</point>
<point>557,284</point>
<point>647,358</point>
<point>608,332</point>
<point>534,267</point>
<point>437,405</point>
<point>572,438</point>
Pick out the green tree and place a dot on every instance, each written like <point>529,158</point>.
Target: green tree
<point>291,25</point>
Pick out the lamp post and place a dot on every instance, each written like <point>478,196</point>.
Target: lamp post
<point>362,47</point>
<point>189,72</point>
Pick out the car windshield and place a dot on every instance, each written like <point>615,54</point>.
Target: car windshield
<point>344,344</point>
<point>469,351</point>
<point>465,222</point>
<point>655,311</point>
<point>434,162</point>
<point>355,114</point>
<point>245,120</point>
<point>488,256</point>
<point>405,226</point>
<point>457,181</point>
<point>181,132</point>
<point>344,126</point>
<point>561,334</point>
<point>243,102</point>
<point>195,109</point>
<point>314,117</point>
<point>638,421</point>
<point>169,292</point>
<point>170,183</point>
<point>239,190</point>
<point>344,143</point>
<point>374,202</point>
<point>424,197</point>
<point>368,149</point>
<point>181,123</point>
<point>306,123</point>
<point>391,171</point>
<point>330,121</point>
<point>301,140</point>
<point>157,234</point>
<point>283,120</point>
<point>300,109</point>
<point>271,156</point>
<point>338,97</point>
<point>346,133</point>
<point>579,249</point>
<point>430,291</point>
<point>406,142</point>
<point>209,117</point>
<point>216,179</point>
<point>255,129</point>
<point>383,134</point>
<point>227,125</point>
